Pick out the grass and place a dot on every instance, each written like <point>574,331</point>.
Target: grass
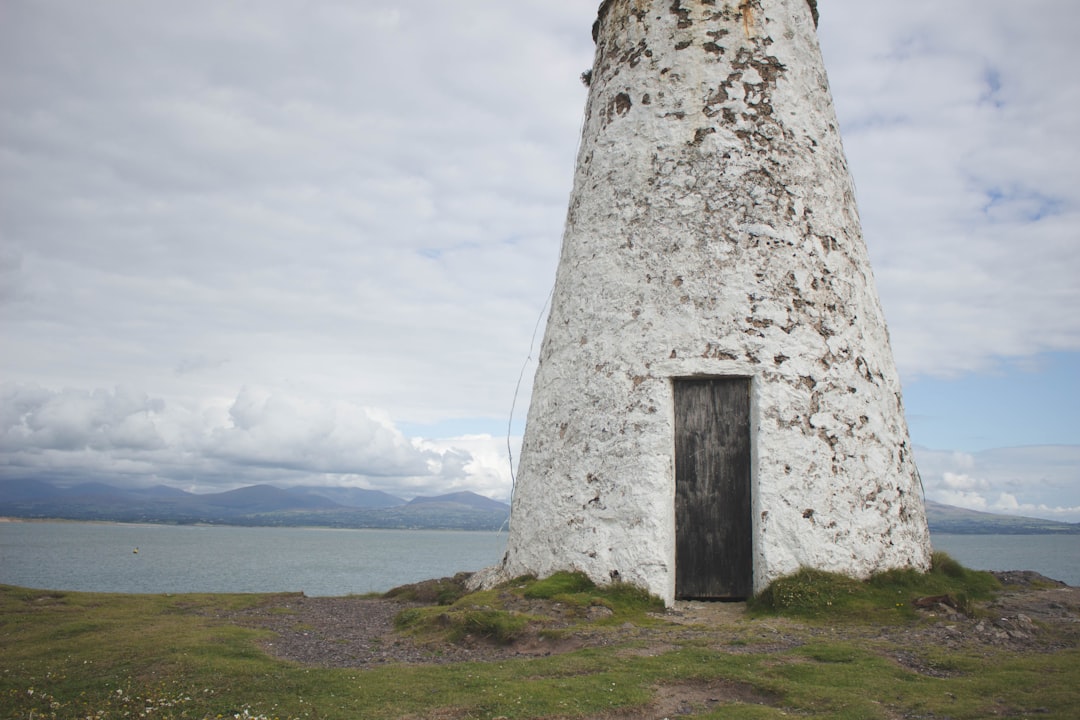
<point>458,624</point>
<point>885,598</point>
<point>82,655</point>
<point>497,615</point>
<point>625,601</point>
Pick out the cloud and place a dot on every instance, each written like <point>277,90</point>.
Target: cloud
<point>1037,481</point>
<point>76,420</point>
<point>294,228</point>
<point>962,158</point>
<point>374,194</point>
<point>968,500</point>
<point>126,437</point>
<point>1009,504</point>
<point>297,433</point>
<point>484,463</point>
<point>955,482</point>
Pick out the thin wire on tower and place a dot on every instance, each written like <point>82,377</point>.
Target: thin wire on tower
<point>517,389</point>
<point>532,344</point>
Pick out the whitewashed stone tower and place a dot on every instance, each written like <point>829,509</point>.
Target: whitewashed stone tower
<point>716,402</point>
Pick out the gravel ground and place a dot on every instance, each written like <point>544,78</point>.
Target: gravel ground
<point>1033,614</point>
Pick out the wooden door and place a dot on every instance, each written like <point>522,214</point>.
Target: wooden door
<point>713,543</point>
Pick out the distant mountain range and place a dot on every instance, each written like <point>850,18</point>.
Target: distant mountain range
<point>947,519</point>
<point>267,505</point>
<point>263,505</point>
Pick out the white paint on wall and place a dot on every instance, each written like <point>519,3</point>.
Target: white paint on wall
<point>713,231</point>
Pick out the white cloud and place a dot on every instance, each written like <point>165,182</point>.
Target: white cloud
<point>955,482</point>
<point>295,432</point>
<point>295,194</point>
<point>486,466</point>
<point>968,500</point>
<point>1039,481</point>
<point>75,420</point>
<point>261,436</point>
<point>1010,505</point>
<point>955,122</point>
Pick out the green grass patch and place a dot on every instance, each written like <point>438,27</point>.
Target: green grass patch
<point>884,598</point>
<point>576,589</point>
<point>497,615</point>
<point>560,584</point>
<point>459,623</point>
<point>76,655</point>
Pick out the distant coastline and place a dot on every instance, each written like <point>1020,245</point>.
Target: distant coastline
<point>252,506</point>
<point>951,520</point>
<point>352,508</point>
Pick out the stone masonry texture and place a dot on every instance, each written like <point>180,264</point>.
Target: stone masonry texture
<point>713,231</point>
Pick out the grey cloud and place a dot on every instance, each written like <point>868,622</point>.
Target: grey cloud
<point>203,179</point>
<point>274,430</point>
<point>36,419</point>
<point>11,274</point>
<point>123,436</point>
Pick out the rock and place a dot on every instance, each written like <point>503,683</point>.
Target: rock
<point>597,612</point>
<point>934,601</point>
<point>1025,578</point>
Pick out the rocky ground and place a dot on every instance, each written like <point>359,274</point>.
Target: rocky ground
<point>1033,614</point>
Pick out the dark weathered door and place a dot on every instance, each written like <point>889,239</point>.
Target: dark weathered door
<point>713,543</point>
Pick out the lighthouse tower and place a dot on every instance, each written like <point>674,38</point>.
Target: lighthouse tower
<point>716,402</point>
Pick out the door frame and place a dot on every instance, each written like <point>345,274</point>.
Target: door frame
<point>752,522</point>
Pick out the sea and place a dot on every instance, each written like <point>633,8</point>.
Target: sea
<point>131,558</point>
<point>128,558</point>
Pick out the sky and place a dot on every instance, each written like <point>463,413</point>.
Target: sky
<point>311,243</point>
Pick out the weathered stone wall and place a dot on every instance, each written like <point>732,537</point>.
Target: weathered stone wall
<point>713,230</point>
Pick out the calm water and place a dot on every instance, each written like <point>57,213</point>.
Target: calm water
<point>1055,556</point>
<point>175,559</point>
<point>171,559</point>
